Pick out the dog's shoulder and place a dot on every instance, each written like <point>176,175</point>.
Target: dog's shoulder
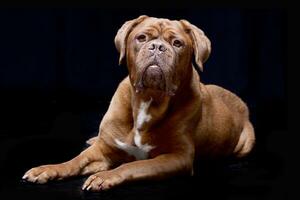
<point>124,87</point>
<point>122,93</point>
<point>217,91</point>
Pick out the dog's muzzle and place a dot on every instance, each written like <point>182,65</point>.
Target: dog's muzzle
<point>154,68</point>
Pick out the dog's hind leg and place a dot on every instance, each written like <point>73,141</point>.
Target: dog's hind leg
<point>246,141</point>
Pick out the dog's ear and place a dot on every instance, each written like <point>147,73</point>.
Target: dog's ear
<point>201,44</point>
<point>122,35</point>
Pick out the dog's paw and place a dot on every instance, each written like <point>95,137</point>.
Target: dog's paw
<point>102,181</point>
<point>41,174</point>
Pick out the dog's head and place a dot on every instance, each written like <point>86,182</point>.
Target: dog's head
<point>159,52</point>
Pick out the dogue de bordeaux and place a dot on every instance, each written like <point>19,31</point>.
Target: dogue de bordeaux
<point>161,116</point>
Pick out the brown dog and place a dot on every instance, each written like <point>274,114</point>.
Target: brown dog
<point>161,116</point>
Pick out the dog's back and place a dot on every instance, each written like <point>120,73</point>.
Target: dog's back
<point>232,101</point>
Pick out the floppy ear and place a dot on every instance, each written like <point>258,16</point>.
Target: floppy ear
<point>123,32</point>
<point>201,44</point>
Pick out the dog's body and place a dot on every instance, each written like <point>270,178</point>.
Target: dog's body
<point>161,117</point>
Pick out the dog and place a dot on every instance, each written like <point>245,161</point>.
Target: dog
<point>161,117</point>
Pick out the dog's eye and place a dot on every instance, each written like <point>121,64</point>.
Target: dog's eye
<point>141,38</point>
<point>177,43</point>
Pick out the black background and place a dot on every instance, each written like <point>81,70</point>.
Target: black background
<point>59,69</point>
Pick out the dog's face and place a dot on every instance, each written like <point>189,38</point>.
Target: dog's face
<point>159,52</point>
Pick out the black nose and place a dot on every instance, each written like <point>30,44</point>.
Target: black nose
<point>154,46</point>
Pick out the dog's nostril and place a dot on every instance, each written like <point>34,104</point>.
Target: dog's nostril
<point>162,48</point>
<point>152,47</point>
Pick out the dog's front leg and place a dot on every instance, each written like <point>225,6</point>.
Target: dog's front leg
<point>89,161</point>
<point>160,167</point>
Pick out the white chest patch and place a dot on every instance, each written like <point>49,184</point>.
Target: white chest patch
<point>140,151</point>
<point>142,115</point>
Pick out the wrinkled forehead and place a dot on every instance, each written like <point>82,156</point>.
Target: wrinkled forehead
<point>160,25</point>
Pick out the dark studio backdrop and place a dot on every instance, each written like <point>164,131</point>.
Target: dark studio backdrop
<point>59,70</point>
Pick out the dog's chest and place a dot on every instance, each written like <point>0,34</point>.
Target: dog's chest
<point>138,150</point>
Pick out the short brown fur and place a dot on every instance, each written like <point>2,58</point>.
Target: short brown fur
<point>188,119</point>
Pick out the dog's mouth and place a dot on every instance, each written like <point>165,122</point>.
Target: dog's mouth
<point>153,77</point>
